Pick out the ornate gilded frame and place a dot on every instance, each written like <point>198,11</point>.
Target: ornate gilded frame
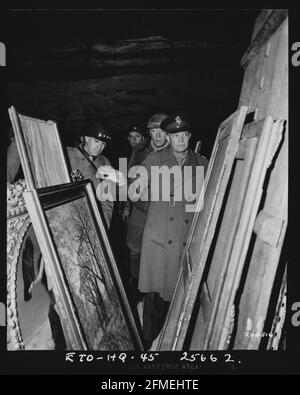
<point>18,222</point>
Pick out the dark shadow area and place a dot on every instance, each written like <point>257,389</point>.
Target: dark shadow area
<point>125,65</point>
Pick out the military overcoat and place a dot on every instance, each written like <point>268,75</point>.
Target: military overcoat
<point>166,228</point>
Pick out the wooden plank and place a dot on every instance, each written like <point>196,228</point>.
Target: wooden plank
<point>270,25</point>
<point>268,227</point>
<point>268,144</point>
<point>225,237</point>
<point>260,21</point>
<point>40,151</point>
<point>264,261</point>
<point>272,100</point>
<point>202,230</point>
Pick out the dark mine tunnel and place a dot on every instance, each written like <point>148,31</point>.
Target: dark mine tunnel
<point>122,66</point>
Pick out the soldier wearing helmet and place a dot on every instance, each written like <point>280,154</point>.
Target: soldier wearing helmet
<point>86,161</point>
<point>135,213</point>
<point>158,140</point>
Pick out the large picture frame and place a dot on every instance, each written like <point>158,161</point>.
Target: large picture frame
<point>93,305</point>
<point>40,150</point>
<point>217,314</point>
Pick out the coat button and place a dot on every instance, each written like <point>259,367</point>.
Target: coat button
<point>186,221</point>
<point>170,242</point>
<point>184,244</point>
<point>171,218</point>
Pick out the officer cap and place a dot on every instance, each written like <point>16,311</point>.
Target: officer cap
<point>155,120</point>
<point>176,123</point>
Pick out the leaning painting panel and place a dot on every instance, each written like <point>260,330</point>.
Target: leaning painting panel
<point>40,150</point>
<point>218,314</point>
<point>77,252</point>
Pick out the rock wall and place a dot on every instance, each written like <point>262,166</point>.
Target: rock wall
<point>205,95</point>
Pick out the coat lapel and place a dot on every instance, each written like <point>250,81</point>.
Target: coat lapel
<point>167,157</point>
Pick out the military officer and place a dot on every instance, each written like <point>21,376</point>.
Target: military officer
<point>167,227</point>
<point>136,212</point>
<point>86,159</point>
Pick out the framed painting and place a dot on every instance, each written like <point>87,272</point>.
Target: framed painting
<point>40,150</point>
<point>217,314</point>
<point>86,282</point>
<point>202,230</point>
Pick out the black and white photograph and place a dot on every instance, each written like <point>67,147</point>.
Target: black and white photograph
<point>146,157</point>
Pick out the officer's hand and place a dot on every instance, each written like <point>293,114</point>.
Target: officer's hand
<point>110,174</point>
<point>125,213</point>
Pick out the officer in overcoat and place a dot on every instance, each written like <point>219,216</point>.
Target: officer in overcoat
<point>167,224</point>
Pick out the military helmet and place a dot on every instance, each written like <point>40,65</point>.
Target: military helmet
<point>99,131</point>
<point>155,120</point>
